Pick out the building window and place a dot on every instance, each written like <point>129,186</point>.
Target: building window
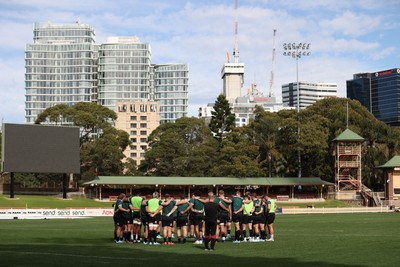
<point>133,140</point>
<point>143,125</point>
<point>122,108</point>
<point>143,147</point>
<point>133,147</point>
<point>133,155</point>
<point>133,132</point>
<point>142,155</point>
<point>133,118</point>
<point>133,125</point>
<point>143,140</point>
<point>143,132</point>
<point>143,118</point>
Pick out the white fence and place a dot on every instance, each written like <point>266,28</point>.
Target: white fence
<point>335,210</point>
<point>54,213</point>
<point>93,212</point>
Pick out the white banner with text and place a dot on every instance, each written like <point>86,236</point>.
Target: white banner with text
<point>54,213</point>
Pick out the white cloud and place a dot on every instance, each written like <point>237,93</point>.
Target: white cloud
<point>346,37</point>
<point>352,24</point>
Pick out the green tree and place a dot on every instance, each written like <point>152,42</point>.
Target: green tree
<point>238,156</point>
<point>101,144</point>
<point>90,117</point>
<point>222,120</point>
<point>183,148</point>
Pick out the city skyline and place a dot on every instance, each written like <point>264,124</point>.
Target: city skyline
<point>346,37</point>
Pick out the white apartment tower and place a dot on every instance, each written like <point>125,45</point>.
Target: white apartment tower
<point>309,93</point>
<point>171,83</point>
<point>60,67</point>
<point>65,66</point>
<point>124,71</point>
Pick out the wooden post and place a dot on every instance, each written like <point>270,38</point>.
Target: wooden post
<point>100,192</point>
<point>65,184</point>
<point>11,185</point>
<point>189,191</point>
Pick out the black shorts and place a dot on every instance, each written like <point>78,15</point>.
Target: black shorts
<point>257,219</point>
<point>127,218</point>
<point>237,218</point>
<point>182,221</point>
<point>191,218</point>
<point>136,218</point>
<point>156,219</point>
<point>167,221</point>
<point>144,219</point>
<point>270,218</point>
<point>224,218</point>
<point>118,219</point>
<point>198,218</point>
<point>247,219</point>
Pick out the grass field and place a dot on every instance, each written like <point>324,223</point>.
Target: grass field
<point>23,201</point>
<point>300,240</point>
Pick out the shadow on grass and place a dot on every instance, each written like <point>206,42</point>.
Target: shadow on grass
<point>62,254</point>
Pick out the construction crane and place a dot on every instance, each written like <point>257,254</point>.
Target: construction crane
<point>236,48</point>
<point>271,82</point>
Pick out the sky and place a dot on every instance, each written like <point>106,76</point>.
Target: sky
<point>346,37</point>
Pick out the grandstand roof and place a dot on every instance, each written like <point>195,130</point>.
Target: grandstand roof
<point>392,163</point>
<point>173,180</point>
<point>348,135</point>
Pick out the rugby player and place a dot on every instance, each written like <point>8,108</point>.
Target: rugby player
<point>136,202</point>
<point>144,218</point>
<point>258,217</point>
<point>210,218</point>
<point>198,216</point>
<point>270,217</point>
<point>168,207</point>
<point>118,219</point>
<point>224,214</point>
<point>247,218</point>
<point>183,208</point>
<point>237,214</point>
<point>127,216</point>
<point>153,209</point>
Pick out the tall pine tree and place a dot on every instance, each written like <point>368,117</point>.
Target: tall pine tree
<point>222,120</point>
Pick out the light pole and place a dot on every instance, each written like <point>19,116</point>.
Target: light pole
<point>297,50</point>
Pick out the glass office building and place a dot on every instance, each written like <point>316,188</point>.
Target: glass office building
<point>171,90</point>
<point>60,67</point>
<point>379,92</point>
<point>124,71</point>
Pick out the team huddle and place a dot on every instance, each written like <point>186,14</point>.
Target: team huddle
<point>206,219</point>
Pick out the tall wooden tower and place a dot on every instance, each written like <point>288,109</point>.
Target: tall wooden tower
<point>348,161</point>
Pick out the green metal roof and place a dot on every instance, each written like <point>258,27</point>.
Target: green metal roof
<point>348,135</point>
<point>171,180</point>
<point>392,163</point>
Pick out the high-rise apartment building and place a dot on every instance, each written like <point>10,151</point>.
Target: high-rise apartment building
<point>379,92</point>
<point>124,71</point>
<point>61,67</point>
<point>309,93</point>
<point>171,83</point>
<point>65,66</point>
<point>138,119</point>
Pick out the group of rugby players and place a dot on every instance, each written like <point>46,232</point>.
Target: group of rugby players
<point>251,213</point>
